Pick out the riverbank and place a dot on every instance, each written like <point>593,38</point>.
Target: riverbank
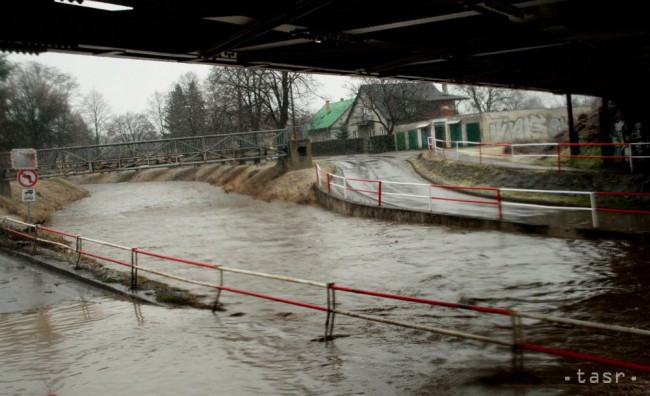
<point>51,195</point>
<point>266,181</point>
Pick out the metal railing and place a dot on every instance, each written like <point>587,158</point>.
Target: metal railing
<point>628,152</point>
<point>77,244</point>
<point>336,184</point>
<point>242,146</point>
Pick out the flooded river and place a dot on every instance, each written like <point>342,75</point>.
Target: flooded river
<point>102,345</point>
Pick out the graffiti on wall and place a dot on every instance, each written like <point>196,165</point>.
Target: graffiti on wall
<point>531,127</point>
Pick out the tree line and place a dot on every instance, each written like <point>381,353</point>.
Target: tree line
<point>41,107</point>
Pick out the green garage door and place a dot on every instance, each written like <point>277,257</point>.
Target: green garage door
<point>474,132</point>
<point>400,138</point>
<point>456,132</point>
<point>413,139</point>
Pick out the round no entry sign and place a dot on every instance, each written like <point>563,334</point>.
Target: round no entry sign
<point>27,178</point>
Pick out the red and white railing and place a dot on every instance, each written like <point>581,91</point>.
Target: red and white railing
<point>557,150</point>
<point>82,246</point>
<point>377,190</point>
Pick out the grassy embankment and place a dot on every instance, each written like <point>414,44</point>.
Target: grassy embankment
<point>488,175</point>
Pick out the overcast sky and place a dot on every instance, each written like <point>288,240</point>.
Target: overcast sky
<point>128,84</point>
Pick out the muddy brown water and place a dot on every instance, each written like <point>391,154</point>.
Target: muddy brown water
<point>96,344</point>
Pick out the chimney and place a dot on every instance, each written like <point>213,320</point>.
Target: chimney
<point>327,106</point>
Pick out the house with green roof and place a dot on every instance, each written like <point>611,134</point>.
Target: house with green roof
<point>329,121</point>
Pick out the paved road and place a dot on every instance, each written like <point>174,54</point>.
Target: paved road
<point>394,171</point>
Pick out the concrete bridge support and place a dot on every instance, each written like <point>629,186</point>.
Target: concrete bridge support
<point>299,155</point>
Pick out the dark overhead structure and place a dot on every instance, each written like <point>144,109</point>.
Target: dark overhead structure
<point>565,46</point>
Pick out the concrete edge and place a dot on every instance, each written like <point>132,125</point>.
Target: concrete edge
<point>60,267</point>
<point>354,209</point>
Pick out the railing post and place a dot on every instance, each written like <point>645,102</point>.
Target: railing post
<point>35,239</point>
<point>134,269</point>
<point>630,156</point>
<point>78,249</point>
<point>329,184</point>
<point>517,340</point>
<point>215,306</point>
<point>331,306</point>
<point>499,205</point>
<point>379,194</point>
<point>430,200</point>
<point>594,210</point>
<point>480,153</point>
<point>457,150</point>
<point>345,188</point>
<point>559,157</point>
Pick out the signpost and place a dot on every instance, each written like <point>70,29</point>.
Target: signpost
<point>26,161</point>
<point>27,178</point>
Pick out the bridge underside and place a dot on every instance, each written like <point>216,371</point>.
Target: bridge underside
<point>567,46</point>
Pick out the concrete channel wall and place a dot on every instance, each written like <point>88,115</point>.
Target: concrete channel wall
<point>440,219</point>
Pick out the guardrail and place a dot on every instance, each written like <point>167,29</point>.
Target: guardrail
<point>188,150</point>
<point>38,234</point>
<point>341,185</point>
<point>629,152</point>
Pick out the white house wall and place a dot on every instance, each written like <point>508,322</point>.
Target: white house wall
<point>541,125</point>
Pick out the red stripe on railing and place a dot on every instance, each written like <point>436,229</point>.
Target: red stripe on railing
<point>499,311</point>
<point>57,231</point>
<point>273,298</point>
<point>465,187</point>
<point>635,211</point>
<point>180,260</point>
<point>97,256</point>
<point>584,356</point>
<point>19,233</point>
<point>465,200</point>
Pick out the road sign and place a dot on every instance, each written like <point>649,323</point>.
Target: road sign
<point>24,159</point>
<point>29,194</point>
<point>27,178</point>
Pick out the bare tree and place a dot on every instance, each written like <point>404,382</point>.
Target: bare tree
<point>283,89</point>
<point>96,112</point>
<point>38,104</point>
<point>156,112</point>
<point>250,99</point>
<point>131,127</point>
<point>487,99</point>
<point>5,187</point>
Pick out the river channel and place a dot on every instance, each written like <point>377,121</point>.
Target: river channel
<point>102,345</point>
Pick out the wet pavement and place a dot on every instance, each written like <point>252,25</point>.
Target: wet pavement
<point>25,287</point>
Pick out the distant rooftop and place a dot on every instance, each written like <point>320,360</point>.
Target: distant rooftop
<point>324,118</point>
